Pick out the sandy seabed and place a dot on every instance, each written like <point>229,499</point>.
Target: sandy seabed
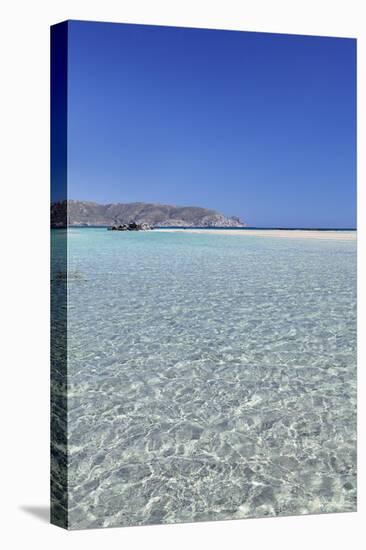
<point>216,381</point>
<point>285,233</point>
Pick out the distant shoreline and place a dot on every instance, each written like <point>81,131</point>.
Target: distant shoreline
<point>254,228</point>
<point>290,233</point>
<point>325,234</point>
<point>244,228</point>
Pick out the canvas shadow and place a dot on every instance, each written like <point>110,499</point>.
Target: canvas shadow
<point>40,512</point>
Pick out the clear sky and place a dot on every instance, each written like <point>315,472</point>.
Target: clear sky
<point>260,126</point>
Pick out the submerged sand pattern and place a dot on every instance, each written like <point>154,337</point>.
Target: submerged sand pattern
<point>210,377</point>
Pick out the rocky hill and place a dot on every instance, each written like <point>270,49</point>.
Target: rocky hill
<point>84,213</point>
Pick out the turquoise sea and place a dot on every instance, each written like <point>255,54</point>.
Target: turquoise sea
<point>210,376</point>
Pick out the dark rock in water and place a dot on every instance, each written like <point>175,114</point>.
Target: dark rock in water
<point>145,227</point>
<point>132,226</point>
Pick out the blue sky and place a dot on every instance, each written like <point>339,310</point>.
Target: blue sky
<point>261,126</point>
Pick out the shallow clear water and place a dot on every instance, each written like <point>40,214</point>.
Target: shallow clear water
<point>210,377</point>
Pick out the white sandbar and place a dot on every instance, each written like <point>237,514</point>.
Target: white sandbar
<point>285,233</point>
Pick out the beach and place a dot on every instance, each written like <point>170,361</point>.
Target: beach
<point>281,233</point>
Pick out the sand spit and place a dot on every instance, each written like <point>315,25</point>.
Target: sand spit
<point>284,233</point>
